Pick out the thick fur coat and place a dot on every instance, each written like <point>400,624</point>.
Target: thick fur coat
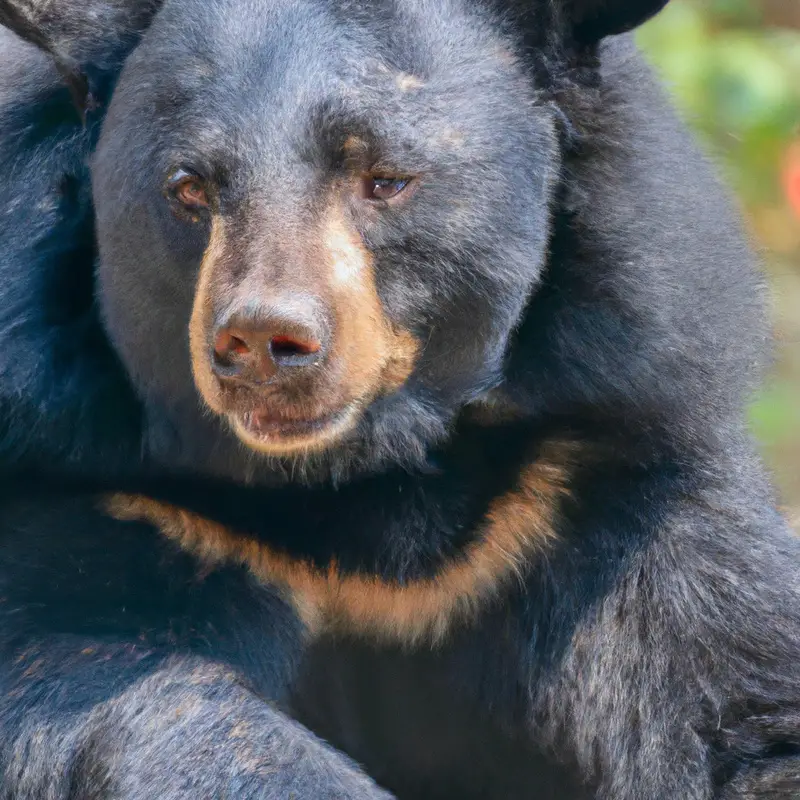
<point>408,394</point>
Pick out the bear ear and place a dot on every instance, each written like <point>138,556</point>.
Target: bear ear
<point>88,40</point>
<point>23,18</point>
<point>592,20</point>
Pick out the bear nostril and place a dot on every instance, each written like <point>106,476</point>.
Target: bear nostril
<point>260,349</point>
<point>227,345</point>
<point>239,346</point>
<point>291,351</point>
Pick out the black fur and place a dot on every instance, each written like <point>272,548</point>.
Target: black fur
<point>572,262</point>
<point>128,674</point>
<point>64,401</point>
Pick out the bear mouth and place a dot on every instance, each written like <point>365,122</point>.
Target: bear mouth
<point>266,431</point>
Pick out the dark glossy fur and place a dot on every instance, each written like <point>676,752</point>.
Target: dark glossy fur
<point>591,287</point>
<point>126,671</point>
<point>64,400</point>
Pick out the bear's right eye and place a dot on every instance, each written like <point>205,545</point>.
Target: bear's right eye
<point>187,190</point>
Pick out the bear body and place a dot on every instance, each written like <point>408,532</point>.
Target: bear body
<point>133,675</point>
<point>412,400</point>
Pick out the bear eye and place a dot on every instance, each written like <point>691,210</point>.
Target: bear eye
<point>383,188</point>
<point>187,189</point>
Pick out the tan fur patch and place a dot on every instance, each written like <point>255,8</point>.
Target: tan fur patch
<point>377,357</point>
<point>518,526</point>
<point>202,312</point>
<point>408,83</point>
<point>493,408</point>
<point>354,146</point>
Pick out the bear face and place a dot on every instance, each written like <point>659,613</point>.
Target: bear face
<point>321,224</point>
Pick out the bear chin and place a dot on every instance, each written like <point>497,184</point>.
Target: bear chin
<point>284,437</point>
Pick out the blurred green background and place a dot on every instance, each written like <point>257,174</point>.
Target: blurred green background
<point>733,67</point>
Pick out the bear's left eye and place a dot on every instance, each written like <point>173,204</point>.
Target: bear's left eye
<point>378,187</point>
<point>187,189</point>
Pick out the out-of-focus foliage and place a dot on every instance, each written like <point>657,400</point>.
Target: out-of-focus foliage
<point>734,69</point>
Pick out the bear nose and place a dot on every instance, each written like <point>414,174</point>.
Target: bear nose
<point>256,350</point>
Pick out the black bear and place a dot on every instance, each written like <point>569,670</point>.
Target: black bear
<point>427,335</point>
<point>89,710</point>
